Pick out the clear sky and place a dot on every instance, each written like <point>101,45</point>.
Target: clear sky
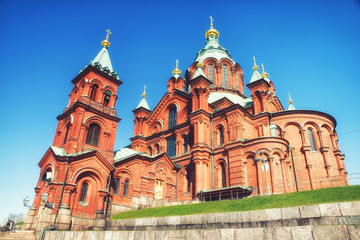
<point>310,48</point>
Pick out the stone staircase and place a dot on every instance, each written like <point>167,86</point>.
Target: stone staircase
<point>18,235</point>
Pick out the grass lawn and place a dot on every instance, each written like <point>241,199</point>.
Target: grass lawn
<point>325,195</point>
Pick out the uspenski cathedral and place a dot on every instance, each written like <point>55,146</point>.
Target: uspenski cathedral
<point>205,140</point>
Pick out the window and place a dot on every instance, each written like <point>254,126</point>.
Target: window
<point>157,148</point>
<point>66,133</point>
<point>311,138</point>
<point>150,151</point>
<point>236,81</point>
<point>159,189</point>
<point>107,98</point>
<point>94,89</point>
<point>117,184</point>
<point>211,73</point>
<point>126,187</point>
<point>171,147</point>
<point>226,81</point>
<point>221,136</point>
<point>93,135</point>
<point>223,175</point>
<point>188,178</point>
<point>185,144</point>
<point>172,117</point>
<point>83,192</point>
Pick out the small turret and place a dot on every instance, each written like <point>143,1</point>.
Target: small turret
<point>291,106</point>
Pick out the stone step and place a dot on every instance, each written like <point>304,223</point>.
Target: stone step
<point>17,235</point>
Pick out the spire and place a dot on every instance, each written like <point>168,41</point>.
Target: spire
<point>264,74</point>
<point>211,31</point>
<point>102,60</point>
<point>176,73</point>
<point>256,75</point>
<point>199,71</point>
<point>255,67</point>
<point>143,103</point>
<point>291,106</point>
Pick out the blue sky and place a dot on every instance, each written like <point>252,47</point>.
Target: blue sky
<point>310,48</point>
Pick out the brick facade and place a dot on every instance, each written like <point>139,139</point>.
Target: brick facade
<point>203,135</point>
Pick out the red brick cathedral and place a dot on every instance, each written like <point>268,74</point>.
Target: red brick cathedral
<point>205,139</point>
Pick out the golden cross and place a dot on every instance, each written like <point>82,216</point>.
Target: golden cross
<point>254,60</point>
<point>177,63</point>
<point>144,94</point>
<point>108,33</point>
<point>211,21</point>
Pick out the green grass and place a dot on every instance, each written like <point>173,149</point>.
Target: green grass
<point>325,195</point>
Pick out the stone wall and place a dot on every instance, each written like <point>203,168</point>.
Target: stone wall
<point>324,221</point>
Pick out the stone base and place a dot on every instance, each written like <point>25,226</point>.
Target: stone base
<point>29,219</point>
<point>63,220</point>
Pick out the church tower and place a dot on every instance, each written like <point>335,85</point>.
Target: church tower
<point>89,121</point>
<point>75,172</point>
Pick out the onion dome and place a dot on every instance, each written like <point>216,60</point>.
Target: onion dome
<point>211,30</point>
<point>176,73</point>
<point>106,42</point>
<point>212,48</point>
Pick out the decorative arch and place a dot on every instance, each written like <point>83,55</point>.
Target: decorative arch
<point>277,151</point>
<point>126,171</point>
<point>96,119</point>
<point>95,80</point>
<point>108,87</point>
<point>294,124</point>
<point>75,177</point>
<point>311,123</point>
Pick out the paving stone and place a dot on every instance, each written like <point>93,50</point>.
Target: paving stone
<point>213,234</point>
<point>245,216</point>
<point>273,214</point>
<point>209,218</point>
<point>150,221</point>
<point>309,211</point>
<point>249,233</point>
<point>269,233</point>
<point>234,217</point>
<point>226,234</point>
<point>329,209</point>
<point>174,220</point>
<point>196,219</point>
<point>302,233</point>
<point>194,235</point>
<point>290,213</point>
<point>350,208</point>
<point>222,217</point>
<point>354,232</point>
<point>257,215</point>
<point>349,220</point>
<point>330,232</point>
<point>283,233</point>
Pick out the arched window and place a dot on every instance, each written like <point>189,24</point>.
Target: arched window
<point>223,175</point>
<point>47,176</point>
<point>126,187</point>
<point>171,146</point>
<point>226,80</point>
<point>93,134</point>
<point>157,148</point>
<point>94,89</point>
<point>172,117</point>
<point>84,191</point>
<point>221,136</point>
<point>107,98</point>
<point>211,73</point>
<point>236,80</point>
<point>150,151</point>
<point>66,133</point>
<point>185,144</point>
<point>311,138</point>
<point>117,184</point>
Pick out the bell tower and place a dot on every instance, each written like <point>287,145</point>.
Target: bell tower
<point>89,121</point>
